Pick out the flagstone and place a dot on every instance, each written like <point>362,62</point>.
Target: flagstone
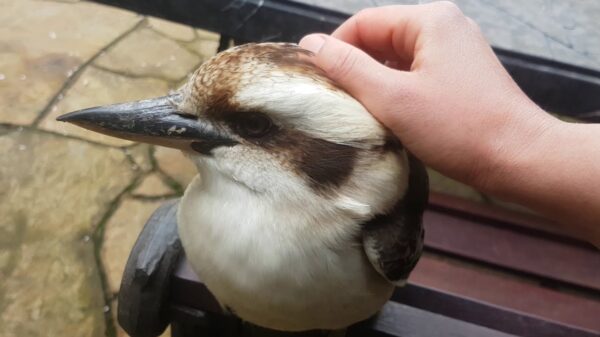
<point>53,192</point>
<point>40,49</point>
<point>99,87</point>
<point>173,163</point>
<point>172,29</point>
<point>122,229</point>
<point>153,186</point>
<point>147,53</point>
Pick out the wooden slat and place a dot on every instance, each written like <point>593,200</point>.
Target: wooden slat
<point>512,249</point>
<point>397,319</point>
<point>489,213</point>
<point>188,291</point>
<point>484,314</point>
<point>509,292</point>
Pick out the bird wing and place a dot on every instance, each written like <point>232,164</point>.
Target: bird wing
<point>393,242</point>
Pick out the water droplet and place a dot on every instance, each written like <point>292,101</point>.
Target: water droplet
<point>60,97</point>
<point>23,77</point>
<point>86,82</point>
<point>22,147</point>
<point>69,73</point>
<point>54,108</point>
<point>52,35</point>
<point>86,238</point>
<point>2,77</point>
<point>106,309</point>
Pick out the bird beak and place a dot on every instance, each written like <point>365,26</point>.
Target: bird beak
<point>154,121</point>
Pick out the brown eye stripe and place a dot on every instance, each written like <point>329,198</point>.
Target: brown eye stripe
<point>327,164</point>
<point>324,163</point>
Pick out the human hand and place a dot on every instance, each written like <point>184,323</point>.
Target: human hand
<point>428,74</point>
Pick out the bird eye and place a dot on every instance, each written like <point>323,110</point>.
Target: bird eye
<point>254,125</point>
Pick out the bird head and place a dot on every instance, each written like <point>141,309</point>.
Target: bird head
<point>264,117</point>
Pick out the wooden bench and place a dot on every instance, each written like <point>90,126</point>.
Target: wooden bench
<point>486,271</point>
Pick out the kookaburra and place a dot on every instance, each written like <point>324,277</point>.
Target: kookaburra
<point>306,211</point>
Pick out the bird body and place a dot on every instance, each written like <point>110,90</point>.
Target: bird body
<point>281,263</point>
<point>306,211</point>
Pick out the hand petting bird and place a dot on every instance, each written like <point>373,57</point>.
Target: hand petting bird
<point>306,211</point>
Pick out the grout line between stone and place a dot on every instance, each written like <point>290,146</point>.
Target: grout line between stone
<point>171,182</point>
<point>16,127</point>
<point>149,198</point>
<point>71,80</point>
<point>184,44</point>
<point>129,156</point>
<point>97,239</point>
<point>132,75</point>
<point>172,38</point>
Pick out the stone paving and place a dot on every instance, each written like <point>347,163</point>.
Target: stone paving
<point>73,201</point>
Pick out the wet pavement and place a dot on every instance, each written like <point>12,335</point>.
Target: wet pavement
<point>73,201</point>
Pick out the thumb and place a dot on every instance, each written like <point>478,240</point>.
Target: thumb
<point>353,69</point>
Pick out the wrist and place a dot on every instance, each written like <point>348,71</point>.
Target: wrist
<point>516,148</point>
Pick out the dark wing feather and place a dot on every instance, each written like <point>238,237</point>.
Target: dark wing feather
<point>394,241</point>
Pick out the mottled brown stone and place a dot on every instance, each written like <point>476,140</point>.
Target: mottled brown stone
<point>153,186</point>
<point>43,43</point>
<point>172,29</point>
<point>173,163</point>
<point>122,229</point>
<point>53,191</point>
<point>98,87</point>
<point>147,53</point>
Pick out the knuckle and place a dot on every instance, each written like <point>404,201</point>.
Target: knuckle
<point>344,65</point>
<point>447,7</point>
<point>446,11</point>
<point>364,12</point>
<point>445,17</point>
<point>363,16</point>
<point>473,25</point>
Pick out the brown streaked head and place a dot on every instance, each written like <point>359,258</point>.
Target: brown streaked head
<point>260,113</point>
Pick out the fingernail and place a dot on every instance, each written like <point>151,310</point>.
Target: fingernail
<point>312,42</point>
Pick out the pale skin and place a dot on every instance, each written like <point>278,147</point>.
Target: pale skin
<point>429,75</point>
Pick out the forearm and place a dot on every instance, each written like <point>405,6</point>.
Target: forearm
<point>555,172</point>
<point>455,107</point>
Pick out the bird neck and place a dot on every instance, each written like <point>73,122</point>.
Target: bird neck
<point>227,206</point>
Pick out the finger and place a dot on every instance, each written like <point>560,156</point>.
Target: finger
<point>362,76</point>
<point>390,30</point>
<point>398,32</point>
